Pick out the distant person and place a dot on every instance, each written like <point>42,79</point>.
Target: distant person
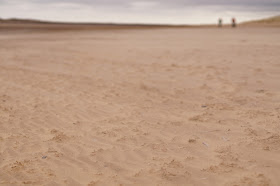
<point>233,22</point>
<point>220,24</point>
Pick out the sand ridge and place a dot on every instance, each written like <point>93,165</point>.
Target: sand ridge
<point>140,107</point>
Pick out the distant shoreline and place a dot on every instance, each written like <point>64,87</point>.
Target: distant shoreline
<point>32,24</point>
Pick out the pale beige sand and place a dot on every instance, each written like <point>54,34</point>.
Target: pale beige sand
<point>140,107</point>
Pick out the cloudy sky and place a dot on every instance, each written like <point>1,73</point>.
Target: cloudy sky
<point>140,11</point>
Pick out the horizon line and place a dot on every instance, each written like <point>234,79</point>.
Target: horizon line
<point>33,20</point>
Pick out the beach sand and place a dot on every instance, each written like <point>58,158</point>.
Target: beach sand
<point>169,106</point>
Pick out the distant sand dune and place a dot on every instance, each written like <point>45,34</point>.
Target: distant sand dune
<point>272,21</point>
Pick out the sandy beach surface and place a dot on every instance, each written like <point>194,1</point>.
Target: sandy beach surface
<point>197,106</point>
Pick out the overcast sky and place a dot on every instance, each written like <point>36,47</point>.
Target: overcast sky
<point>140,11</point>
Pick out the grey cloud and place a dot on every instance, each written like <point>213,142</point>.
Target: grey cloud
<point>253,5</point>
<point>173,3</point>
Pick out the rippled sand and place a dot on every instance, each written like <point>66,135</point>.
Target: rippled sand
<point>197,106</point>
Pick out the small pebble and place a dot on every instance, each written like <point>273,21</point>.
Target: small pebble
<point>44,157</point>
<point>205,144</point>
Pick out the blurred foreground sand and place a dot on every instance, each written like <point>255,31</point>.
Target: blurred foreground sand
<point>140,107</point>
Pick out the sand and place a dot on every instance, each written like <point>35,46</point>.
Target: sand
<point>140,107</point>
